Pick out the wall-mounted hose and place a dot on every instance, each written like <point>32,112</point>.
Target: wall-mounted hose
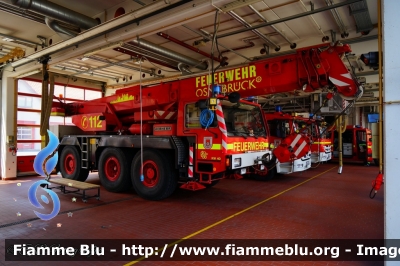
<point>376,185</point>
<point>206,118</point>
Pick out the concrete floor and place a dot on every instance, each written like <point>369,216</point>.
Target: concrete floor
<point>316,204</point>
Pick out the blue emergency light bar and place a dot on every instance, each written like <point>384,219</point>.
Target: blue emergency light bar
<point>216,89</point>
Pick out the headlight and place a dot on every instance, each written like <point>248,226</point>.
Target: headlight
<point>271,146</point>
<point>237,162</point>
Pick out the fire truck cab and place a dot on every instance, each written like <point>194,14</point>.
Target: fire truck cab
<point>281,126</point>
<point>321,146</point>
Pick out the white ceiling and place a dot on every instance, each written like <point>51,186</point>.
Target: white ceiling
<point>196,15</point>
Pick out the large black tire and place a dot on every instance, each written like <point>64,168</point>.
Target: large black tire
<point>114,170</point>
<point>160,179</point>
<point>70,164</point>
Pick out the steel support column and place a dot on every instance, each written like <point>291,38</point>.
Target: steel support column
<point>391,126</point>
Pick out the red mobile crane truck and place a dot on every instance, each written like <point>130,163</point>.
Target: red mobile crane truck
<point>158,136</point>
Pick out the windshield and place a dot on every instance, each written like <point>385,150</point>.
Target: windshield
<point>322,129</point>
<point>307,127</point>
<point>279,128</point>
<point>243,119</point>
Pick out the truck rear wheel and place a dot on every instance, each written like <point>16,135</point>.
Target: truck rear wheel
<point>70,164</point>
<point>114,168</point>
<point>159,180</point>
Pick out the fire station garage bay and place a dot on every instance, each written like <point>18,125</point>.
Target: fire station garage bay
<point>199,132</point>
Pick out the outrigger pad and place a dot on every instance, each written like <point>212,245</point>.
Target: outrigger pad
<point>192,185</point>
<point>233,176</point>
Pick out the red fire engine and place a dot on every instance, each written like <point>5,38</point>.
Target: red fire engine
<point>281,126</point>
<point>357,144</point>
<point>157,136</point>
<point>321,146</point>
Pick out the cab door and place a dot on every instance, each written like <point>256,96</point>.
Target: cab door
<point>361,142</point>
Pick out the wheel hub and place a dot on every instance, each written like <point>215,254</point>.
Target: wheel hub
<point>112,168</point>
<point>69,164</point>
<point>151,174</point>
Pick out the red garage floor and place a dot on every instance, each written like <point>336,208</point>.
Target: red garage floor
<point>316,204</point>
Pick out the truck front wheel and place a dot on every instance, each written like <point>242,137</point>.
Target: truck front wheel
<point>114,170</point>
<point>158,181</point>
<point>70,164</point>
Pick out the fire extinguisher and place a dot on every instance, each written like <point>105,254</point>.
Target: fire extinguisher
<point>376,185</point>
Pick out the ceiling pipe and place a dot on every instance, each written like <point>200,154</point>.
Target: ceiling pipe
<point>150,56</point>
<point>20,40</point>
<point>184,69</point>
<point>308,13</point>
<point>127,49</point>
<point>58,12</point>
<point>9,8</point>
<point>292,45</point>
<point>54,25</point>
<point>360,39</point>
<point>16,11</point>
<point>139,2</point>
<point>130,18</point>
<point>63,14</point>
<point>172,39</point>
<point>101,67</point>
<point>256,32</point>
<point>91,74</point>
<point>119,64</point>
<point>338,19</point>
<point>169,53</point>
<point>312,18</point>
<point>249,45</point>
<point>207,37</point>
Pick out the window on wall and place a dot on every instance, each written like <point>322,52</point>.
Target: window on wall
<point>24,133</point>
<point>29,105</point>
<point>24,101</point>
